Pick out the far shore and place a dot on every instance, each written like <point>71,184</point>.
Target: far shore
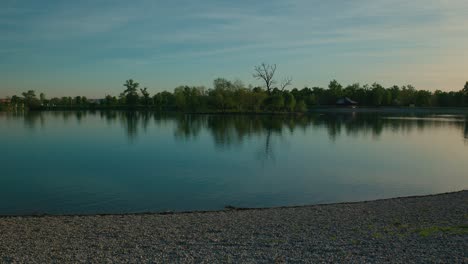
<point>419,229</point>
<point>317,109</point>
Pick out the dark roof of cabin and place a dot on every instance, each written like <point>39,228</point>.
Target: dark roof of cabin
<point>345,100</point>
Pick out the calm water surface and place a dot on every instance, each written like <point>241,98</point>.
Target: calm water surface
<point>115,162</point>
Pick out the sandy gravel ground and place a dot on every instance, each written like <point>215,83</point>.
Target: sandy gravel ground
<point>430,229</point>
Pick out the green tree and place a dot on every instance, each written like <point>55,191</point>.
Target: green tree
<point>222,96</point>
<point>289,101</point>
<point>66,101</point>
<point>335,90</point>
<point>180,98</point>
<point>164,101</point>
<point>275,102</point>
<point>222,84</point>
<point>77,101</point>
<point>84,100</point>
<point>257,97</point>
<point>29,95</point>
<point>378,94</point>
<point>146,96</point>
<point>110,100</point>
<point>157,100</point>
<point>30,99</point>
<point>465,94</point>
<point>55,102</point>
<point>423,98</point>
<point>42,98</point>
<point>301,106</point>
<point>131,92</point>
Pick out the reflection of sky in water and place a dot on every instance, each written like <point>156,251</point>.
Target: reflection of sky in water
<point>84,162</point>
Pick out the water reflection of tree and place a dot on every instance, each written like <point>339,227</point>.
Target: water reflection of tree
<point>189,126</point>
<point>79,115</point>
<point>109,116</point>
<point>145,118</point>
<point>465,131</point>
<point>129,119</point>
<point>273,127</point>
<point>232,131</point>
<point>32,118</point>
<point>229,131</point>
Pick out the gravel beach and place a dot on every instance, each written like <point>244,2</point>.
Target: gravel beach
<point>429,229</point>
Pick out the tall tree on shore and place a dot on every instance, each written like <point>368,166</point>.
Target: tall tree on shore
<point>265,72</point>
<point>42,98</point>
<point>465,89</point>
<point>335,90</point>
<point>15,99</point>
<point>30,99</point>
<point>29,95</point>
<point>131,93</point>
<point>465,93</point>
<point>146,96</point>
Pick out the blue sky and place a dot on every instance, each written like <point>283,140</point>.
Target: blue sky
<point>90,47</point>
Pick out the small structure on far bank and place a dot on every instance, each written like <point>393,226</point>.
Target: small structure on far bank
<point>345,101</point>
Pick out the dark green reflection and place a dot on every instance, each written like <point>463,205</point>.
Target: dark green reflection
<point>230,130</point>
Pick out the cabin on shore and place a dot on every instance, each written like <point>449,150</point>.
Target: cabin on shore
<point>345,101</point>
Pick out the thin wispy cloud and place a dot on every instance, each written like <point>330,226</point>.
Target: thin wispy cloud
<point>109,35</point>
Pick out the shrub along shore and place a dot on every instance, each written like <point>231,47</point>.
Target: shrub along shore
<point>423,229</point>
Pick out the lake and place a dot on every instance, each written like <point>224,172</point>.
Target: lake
<point>89,162</point>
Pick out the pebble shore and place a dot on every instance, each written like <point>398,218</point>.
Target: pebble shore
<point>427,229</point>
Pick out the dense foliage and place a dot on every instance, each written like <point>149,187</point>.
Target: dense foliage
<point>234,96</point>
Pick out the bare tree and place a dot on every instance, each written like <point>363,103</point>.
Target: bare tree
<point>265,72</point>
<point>285,83</point>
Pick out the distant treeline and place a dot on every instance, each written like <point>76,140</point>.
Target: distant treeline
<point>234,96</point>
